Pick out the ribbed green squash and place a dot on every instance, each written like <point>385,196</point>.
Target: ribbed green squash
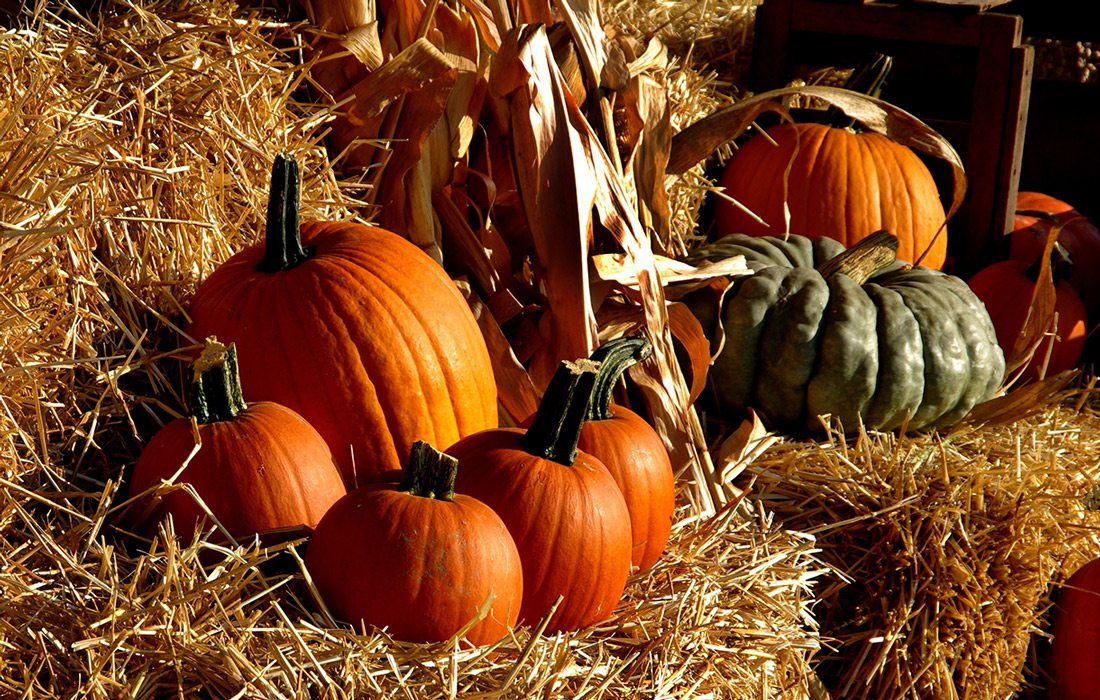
<point>909,347</point>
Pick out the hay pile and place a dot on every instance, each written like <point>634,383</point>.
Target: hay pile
<point>135,148</point>
<point>946,548</point>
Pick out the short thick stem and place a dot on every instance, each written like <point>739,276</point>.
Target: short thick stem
<point>216,389</point>
<point>431,473</point>
<point>283,247</point>
<point>864,259</point>
<point>557,424</point>
<point>615,357</point>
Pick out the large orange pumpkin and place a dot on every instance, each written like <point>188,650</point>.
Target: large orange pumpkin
<point>355,328</point>
<point>259,467</point>
<point>843,183</point>
<point>562,506</point>
<point>417,558</point>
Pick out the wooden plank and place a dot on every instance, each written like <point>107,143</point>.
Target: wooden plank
<point>887,21</point>
<point>771,39</point>
<point>1012,150</point>
<point>1000,34</point>
<point>976,5</point>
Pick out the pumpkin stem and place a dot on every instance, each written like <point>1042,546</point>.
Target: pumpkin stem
<point>431,473</point>
<point>614,357</point>
<point>864,259</point>
<point>283,243</point>
<point>557,424</point>
<point>867,78</point>
<point>216,387</point>
<point>1061,266</point>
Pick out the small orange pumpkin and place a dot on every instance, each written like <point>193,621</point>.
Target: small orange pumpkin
<point>632,451</point>
<point>1006,289</point>
<point>1079,236</point>
<point>417,558</point>
<point>562,506</point>
<point>259,467</point>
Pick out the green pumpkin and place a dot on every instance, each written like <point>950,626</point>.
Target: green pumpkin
<point>807,335</point>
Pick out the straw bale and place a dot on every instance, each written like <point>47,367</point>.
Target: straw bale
<point>947,547</point>
<point>135,147</point>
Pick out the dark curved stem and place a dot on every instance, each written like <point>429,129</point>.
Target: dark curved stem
<point>557,424</point>
<point>1061,265</point>
<point>614,357</point>
<point>431,473</point>
<point>867,78</point>
<point>283,243</point>
<point>216,391</point>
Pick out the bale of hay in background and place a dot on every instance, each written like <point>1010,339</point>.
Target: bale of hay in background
<point>135,148</point>
<point>948,548</point>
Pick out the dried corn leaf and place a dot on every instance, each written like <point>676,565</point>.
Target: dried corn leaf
<point>555,183</point>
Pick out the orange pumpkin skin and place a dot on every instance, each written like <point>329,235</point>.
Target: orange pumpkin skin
<point>419,566</point>
<point>1006,289</point>
<point>570,525</point>
<point>634,454</point>
<point>367,338</point>
<point>263,469</point>
<point>1080,237</point>
<point>1076,628</point>
<point>842,183</point>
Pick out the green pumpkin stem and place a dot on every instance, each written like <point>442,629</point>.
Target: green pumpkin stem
<point>557,424</point>
<point>283,247</point>
<point>867,78</point>
<point>430,473</point>
<point>614,357</point>
<point>216,388</point>
<point>864,259</point>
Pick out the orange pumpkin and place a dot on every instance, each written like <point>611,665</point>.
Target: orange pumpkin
<point>417,558</point>
<point>1078,236</point>
<point>562,506</point>
<point>632,451</point>
<point>259,467</point>
<point>842,183</point>
<point>355,328</point>
<point>1076,645</point>
<point>1006,288</point>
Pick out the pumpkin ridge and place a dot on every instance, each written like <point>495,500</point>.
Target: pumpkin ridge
<point>428,373</point>
<point>372,380</point>
<point>769,207</point>
<point>897,390</point>
<point>483,383</point>
<point>799,310</point>
<point>876,175</point>
<point>267,435</point>
<point>946,393</point>
<point>835,379</point>
<point>317,351</point>
<point>821,146</point>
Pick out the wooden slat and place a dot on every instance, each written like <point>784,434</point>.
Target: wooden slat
<point>978,5</point>
<point>984,149</point>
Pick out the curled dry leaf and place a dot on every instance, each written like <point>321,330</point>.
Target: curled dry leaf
<point>1040,316</point>
<point>749,441</point>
